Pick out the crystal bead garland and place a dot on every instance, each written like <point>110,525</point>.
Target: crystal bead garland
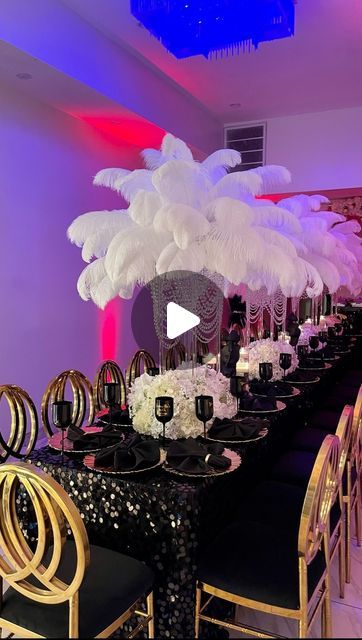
<point>259,301</point>
<point>198,296</point>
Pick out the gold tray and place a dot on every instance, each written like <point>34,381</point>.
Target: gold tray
<point>89,462</point>
<point>55,442</point>
<point>228,453</point>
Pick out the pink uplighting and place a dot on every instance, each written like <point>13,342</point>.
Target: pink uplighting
<point>109,330</point>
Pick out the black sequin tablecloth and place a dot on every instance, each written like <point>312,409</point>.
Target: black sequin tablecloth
<point>155,518</point>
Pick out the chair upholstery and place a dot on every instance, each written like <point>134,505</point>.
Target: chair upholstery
<point>260,563</point>
<point>111,585</point>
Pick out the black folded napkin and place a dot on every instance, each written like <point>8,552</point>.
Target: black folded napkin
<point>242,429</point>
<point>252,403</point>
<point>191,456</point>
<point>301,376</point>
<point>119,416</point>
<point>131,455</point>
<point>83,441</point>
<point>271,389</point>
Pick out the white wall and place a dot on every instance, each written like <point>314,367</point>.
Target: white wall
<point>322,150</point>
<point>47,161</point>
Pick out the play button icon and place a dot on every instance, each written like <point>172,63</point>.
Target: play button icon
<point>179,320</point>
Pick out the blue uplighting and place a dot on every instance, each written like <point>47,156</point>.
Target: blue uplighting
<point>193,27</point>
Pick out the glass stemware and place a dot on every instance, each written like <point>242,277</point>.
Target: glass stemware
<point>314,342</point>
<point>112,397</point>
<point>265,371</point>
<point>204,407</point>
<point>285,362</point>
<point>238,388</point>
<point>153,371</point>
<point>62,418</point>
<point>164,413</point>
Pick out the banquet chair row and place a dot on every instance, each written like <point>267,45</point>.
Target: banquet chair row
<point>23,430</point>
<point>65,588</point>
<point>275,558</point>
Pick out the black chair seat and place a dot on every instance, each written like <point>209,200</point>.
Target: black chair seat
<point>294,467</point>
<point>308,439</point>
<point>111,585</point>
<point>274,503</point>
<point>258,562</point>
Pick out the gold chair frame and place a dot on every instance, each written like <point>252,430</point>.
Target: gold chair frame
<point>134,367</point>
<point>313,535</point>
<point>18,401</point>
<point>174,356</point>
<point>55,513</point>
<point>81,389</point>
<point>109,371</point>
<point>352,497</point>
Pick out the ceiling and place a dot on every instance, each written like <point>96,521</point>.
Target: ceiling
<point>318,69</point>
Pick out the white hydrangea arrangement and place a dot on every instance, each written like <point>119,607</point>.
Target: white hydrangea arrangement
<point>269,351</point>
<point>183,386</point>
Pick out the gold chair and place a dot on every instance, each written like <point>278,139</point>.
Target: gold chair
<point>134,369</point>
<point>174,356</point>
<point>81,390</point>
<point>19,442</point>
<point>266,569</point>
<point>65,588</point>
<point>352,484</point>
<point>109,371</point>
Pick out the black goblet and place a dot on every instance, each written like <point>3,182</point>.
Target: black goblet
<point>153,371</point>
<point>265,371</point>
<point>238,388</point>
<point>112,397</point>
<point>62,418</point>
<point>338,328</point>
<point>204,407</point>
<point>331,333</point>
<point>164,413</point>
<point>323,336</point>
<point>285,362</point>
<point>313,342</point>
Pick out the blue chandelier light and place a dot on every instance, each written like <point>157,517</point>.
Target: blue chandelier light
<point>193,27</point>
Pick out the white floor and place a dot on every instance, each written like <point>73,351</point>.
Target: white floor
<point>347,613</point>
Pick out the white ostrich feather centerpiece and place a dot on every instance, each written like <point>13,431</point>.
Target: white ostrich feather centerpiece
<point>195,216</point>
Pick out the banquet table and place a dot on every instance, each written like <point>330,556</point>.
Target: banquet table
<point>155,517</point>
<point>166,520</point>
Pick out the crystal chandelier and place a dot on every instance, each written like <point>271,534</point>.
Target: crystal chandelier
<point>193,27</point>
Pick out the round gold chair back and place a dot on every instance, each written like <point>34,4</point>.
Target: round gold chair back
<point>20,441</point>
<point>134,369</point>
<point>34,573</point>
<point>355,449</point>
<point>109,371</point>
<point>319,498</point>
<point>344,434</point>
<point>175,356</point>
<point>82,396</point>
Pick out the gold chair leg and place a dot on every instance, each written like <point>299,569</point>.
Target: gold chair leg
<point>348,541</point>
<point>342,567</point>
<point>151,624</point>
<point>327,612</point>
<point>357,515</point>
<point>303,626</point>
<point>197,612</point>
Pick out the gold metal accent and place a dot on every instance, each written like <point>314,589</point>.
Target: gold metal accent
<point>20,405</point>
<point>352,496</point>
<point>81,390</point>
<point>109,371</point>
<point>24,569</point>
<point>174,356</point>
<point>134,368</point>
<point>313,535</point>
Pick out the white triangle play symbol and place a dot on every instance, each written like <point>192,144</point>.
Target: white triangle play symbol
<point>179,320</point>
